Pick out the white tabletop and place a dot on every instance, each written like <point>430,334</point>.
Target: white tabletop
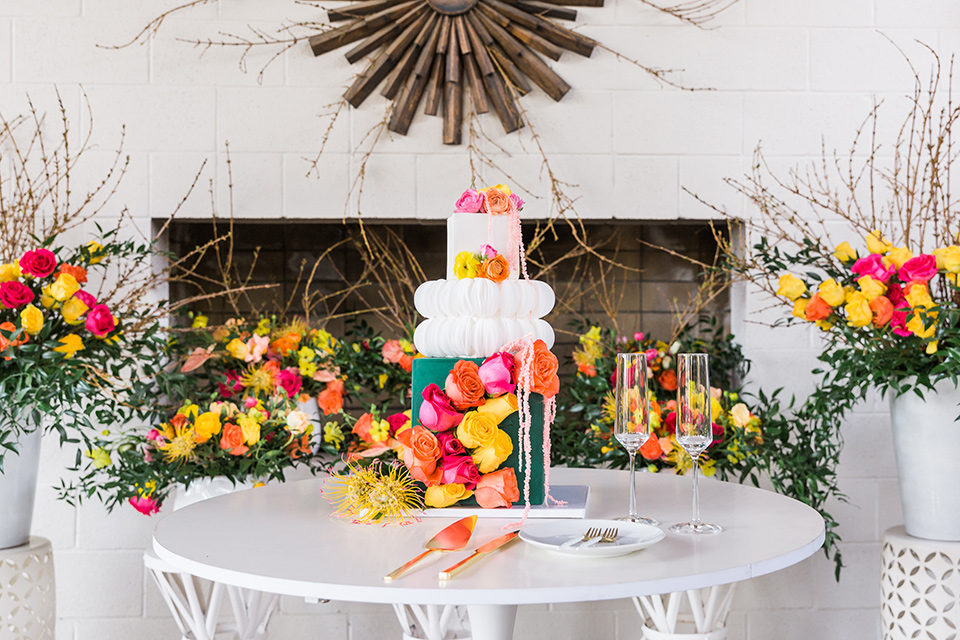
<point>282,539</point>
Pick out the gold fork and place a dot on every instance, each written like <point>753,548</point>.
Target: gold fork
<point>593,532</point>
<point>610,535</point>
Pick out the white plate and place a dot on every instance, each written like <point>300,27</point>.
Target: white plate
<point>551,535</point>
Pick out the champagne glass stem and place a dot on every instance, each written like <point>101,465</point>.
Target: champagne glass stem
<point>696,492</point>
<point>633,486</point>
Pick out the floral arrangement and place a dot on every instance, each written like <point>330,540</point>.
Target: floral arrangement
<point>497,200</point>
<point>254,440</point>
<point>487,263</point>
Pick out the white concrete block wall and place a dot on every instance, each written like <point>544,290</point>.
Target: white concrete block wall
<point>784,73</point>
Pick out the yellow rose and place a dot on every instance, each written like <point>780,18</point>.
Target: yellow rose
<point>844,252</point>
<point>859,313</point>
<point>465,265</point>
<point>898,255</point>
<point>200,322</point>
<point>948,258</point>
<point>824,325</point>
<point>918,324</point>
<point>64,287</point>
<point>445,495</point>
<point>31,319</point>
<point>871,288</point>
<point>73,310</point>
<point>9,272</point>
<point>237,348</point>
<point>489,458</point>
<point>919,296</point>
<point>69,344</point>
<point>96,252</point>
<point>932,347</point>
<point>500,407</point>
<point>206,426</point>
<point>46,298</point>
<point>791,286</point>
<point>800,308</point>
<point>250,428</point>
<point>831,292</point>
<point>876,243</point>
<point>477,430</point>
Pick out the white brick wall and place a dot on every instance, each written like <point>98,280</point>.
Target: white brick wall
<point>783,72</point>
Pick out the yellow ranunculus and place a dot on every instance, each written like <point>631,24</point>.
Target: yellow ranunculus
<point>499,407</point>
<point>898,255</point>
<point>69,344</point>
<point>9,272</point>
<point>250,427</point>
<point>858,311</point>
<point>791,286</point>
<point>477,429</point>
<point>465,265</point>
<point>64,287</point>
<point>489,458</point>
<point>73,310</point>
<point>200,322</point>
<point>263,327</point>
<point>100,457</point>
<point>206,426</point>
<point>844,252</point>
<point>445,495</point>
<point>919,296</point>
<point>31,319</point>
<point>932,347</point>
<point>800,307</point>
<point>871,287</point>
<point>237,348</point>
<point>831,292</point>
<point>948,258</point>
<point>876,243</point>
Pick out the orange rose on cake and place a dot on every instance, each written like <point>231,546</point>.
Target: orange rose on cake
<point>421,451</point>
<point>464,385</point>
<point>545,366</point>
<point>497,489</point>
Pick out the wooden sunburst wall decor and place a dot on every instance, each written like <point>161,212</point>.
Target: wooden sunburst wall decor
<point>430,51</point>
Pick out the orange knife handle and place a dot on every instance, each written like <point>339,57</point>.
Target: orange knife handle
<point>450,572</point>
<point>396,573</point>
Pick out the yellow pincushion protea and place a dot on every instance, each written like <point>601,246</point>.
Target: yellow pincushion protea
<point>374,494</point>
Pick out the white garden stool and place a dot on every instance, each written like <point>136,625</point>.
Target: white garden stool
<point>705,617</point>
<point>195,604</point>
<point>28,608</point>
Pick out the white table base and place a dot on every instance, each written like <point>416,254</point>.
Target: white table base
<point>195,604</point>
<point>456,622</point>
<point>706,618</point>
<point>28,609</point>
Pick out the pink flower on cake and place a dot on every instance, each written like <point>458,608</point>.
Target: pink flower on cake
<point>421,452</point>
<point>437,410</point>
<point>496,373</point>
<point>392,351</point>
<point>499,203</point>
<point>15,294</point>
<point>872,265</point>
<point>38,263</point>
<point>488,252</point>
<point>471,201</point>
<point>517,202</point>
<point>919,269</point>
<point>497,489</point>
<point>450,445</point>
<point>459,470</point>
<point>100,321</point>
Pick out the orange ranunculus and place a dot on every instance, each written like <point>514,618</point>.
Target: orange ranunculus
<point>817,309</point>
<point>286,344</point>
<point>330,399</point>
<point>651,449</point>
<point>497,202</point>
<point>882,311</point>
<point>232,440</point>
<point>545,366</point>
<point>421,451</point>
<point>79,273</point>
<point>206,426</point>
<point>406,363</point>
<point>496,269</point>
<point>464,385</point>
<point>497,489</point>
<point>668,380</point>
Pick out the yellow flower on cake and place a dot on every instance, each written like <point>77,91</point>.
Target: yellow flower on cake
<point>465,265</point>
<point>859,313</point>
<point>791,287</point>
<point>499,408</point>
<point>31,319</point>
<point>898,255</point>
<point>445,495</point>
<point>876,243</point>
<point>9,272</point>
<point>844,252</point>
<point>69,345</point>
<point>948,258</point>
<point>831,292</point>
<point>502,187</point>
<point>477,429</point>
<point>206,426</point>
<point>63,287</point>
<point>489,458</point>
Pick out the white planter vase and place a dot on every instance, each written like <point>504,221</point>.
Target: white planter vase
<point>204,488</point>
<point>18,488</point>
<point>926,438</point>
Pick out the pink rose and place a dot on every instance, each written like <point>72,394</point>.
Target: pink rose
<point>497,489</point>
<point>38,263</point>
<point>100,321</point>
<point>145,505</point>
<point>651,355</point>
<point>517,202</point>
<point>898,320</point>
<point>496,373</point>
<point>488,252</point>
<point>232,386</point>
<point>392,351</point>
<point>638,336</point>
<point>459,470</point>
<point>437,412</point>
<point>15,294</point>
<point>872,265</point>
<point>396,421</point>
<point>470,202</point>
<point>289,380</point>
<point>250,402</point>
<point>919,269</point>
<point>86,299</point>
<point>450,445</point>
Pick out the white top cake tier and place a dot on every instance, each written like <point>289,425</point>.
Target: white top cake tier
<point>470,231</point>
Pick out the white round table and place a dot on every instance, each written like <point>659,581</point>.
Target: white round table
<point>282,539</point>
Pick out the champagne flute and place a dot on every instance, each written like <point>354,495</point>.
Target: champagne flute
<point>694,427</point>
<point>632,424</point>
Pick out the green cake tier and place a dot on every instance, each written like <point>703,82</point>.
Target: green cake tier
<point>427,371</point>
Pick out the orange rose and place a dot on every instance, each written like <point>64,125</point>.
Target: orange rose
<point>817,309</point>
<point>498,203</point>
<point>668,380</point>
<point>496,269</point>
<point>421,451</point>
<point>545,366</point>
<point>79,273</point>
<point>882,311</point>
<point>406,363</point>
<point>497,489</point>
<point>651,449</point>
<point>464,385</point>
<point>330,399</point>
<point>4,343</point>
<point>299,447</point>
<point>232,440</point>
